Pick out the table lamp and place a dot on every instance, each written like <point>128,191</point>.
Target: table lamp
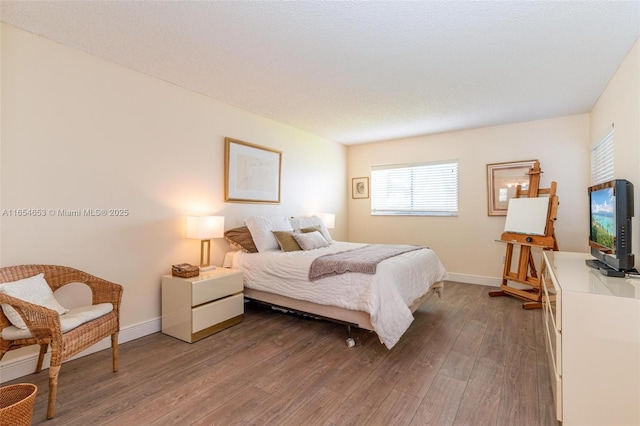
<point>329,219</point>
<point>204,228</point>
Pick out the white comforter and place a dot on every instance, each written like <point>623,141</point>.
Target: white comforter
<point>386,296</point>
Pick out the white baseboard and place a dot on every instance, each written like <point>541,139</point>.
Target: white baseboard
<point>475,279</point>
<point>26,364</point>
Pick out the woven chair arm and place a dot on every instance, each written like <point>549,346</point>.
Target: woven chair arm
<point>42,322</point>
<point>104,291</point>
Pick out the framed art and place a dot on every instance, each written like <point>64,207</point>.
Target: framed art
<point>251,173</point>
<point>360,187</point>
<point>502,180</point>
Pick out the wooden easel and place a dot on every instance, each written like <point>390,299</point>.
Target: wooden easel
<point>526,272</point>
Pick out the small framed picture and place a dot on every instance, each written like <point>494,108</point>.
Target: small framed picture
<point>360,187</point>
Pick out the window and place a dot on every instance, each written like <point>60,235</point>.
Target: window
<point>602,160</point>
<point>426,189</point>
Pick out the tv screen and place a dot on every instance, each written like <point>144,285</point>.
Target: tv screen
<point>610,211</point>
<point>603,219</point>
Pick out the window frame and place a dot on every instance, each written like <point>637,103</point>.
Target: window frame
<point>422,174</point>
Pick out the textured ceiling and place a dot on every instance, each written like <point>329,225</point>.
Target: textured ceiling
<point>357,71</point>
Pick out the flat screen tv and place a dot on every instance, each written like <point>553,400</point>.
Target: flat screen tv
<point>610,213</point>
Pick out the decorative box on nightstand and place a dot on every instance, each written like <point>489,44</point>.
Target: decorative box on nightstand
<point>197,307</point>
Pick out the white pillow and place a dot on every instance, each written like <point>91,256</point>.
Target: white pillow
<point>310,240</point>
<point>262,228</point>
<point>33,290</point>
<point>300,222</point>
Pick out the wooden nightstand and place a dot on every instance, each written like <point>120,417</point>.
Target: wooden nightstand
<point>197,307</point>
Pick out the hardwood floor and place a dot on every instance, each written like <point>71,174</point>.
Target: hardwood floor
<point>466,360</point>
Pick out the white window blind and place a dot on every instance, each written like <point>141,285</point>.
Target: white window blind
<point>602,160</point>
<point>426,189</point>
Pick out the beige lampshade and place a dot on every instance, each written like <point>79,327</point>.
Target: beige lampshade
<point>205,227</point>
<point>329,219</point>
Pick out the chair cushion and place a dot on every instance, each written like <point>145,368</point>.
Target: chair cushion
<point>33,290</point>
<point>72,319</point>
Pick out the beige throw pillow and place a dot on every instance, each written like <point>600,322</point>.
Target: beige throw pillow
<point>286,241</point>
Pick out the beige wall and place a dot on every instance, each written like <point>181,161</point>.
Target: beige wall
<point>466,243</point>
<point>79,132</point>
<point>619,103</point>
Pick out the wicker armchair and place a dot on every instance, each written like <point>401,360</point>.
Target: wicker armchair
<point>44,323</point>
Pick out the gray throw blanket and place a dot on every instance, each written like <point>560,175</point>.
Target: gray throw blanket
<point>364,259</point>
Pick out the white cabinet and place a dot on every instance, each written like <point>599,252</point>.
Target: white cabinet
<point>592,331</point>
<point>194,308</point>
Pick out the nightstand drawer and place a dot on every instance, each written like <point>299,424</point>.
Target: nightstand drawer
<point>217,312</point>
<point>205,290</point>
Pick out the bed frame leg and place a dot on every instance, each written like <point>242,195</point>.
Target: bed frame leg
<point>439,292</point>
<point>350,341</point>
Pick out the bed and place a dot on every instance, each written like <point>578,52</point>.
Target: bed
<point>383,302</point>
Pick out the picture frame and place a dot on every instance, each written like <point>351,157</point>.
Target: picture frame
<point>251,173</point>
<point>502,180</point>
<point>360,187</point>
